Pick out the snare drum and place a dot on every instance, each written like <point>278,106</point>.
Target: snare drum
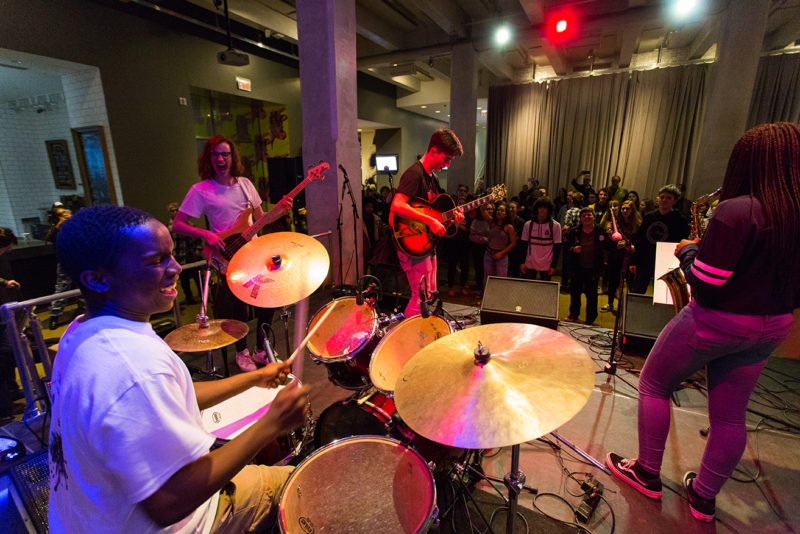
<point>364,484</point>
<point>375,414</point>
<point>233,416</point>
<point>399,345</point>
<point>344,342</point>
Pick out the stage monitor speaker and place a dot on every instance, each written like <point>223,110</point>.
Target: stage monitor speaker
<point>644,320</point>
<point>514,300</point>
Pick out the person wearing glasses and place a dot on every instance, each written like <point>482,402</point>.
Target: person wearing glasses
<point>222,195</point>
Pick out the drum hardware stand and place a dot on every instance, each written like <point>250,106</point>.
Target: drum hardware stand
<point>202,320</point>
<point>344,289</point>
<point>585,455</point>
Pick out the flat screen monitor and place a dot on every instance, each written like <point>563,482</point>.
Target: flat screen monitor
<point>386,160</point>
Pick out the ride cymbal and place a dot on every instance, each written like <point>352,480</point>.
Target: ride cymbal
<point>278,269</point>
<point>535,380</point>
<point>193,338</point>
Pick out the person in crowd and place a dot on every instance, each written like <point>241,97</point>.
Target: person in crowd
<point>560,200</point>
<point>524,193</point>
<point>517,255</point>
<point>740,311</point>
<point>382,204</point>
<point>628,221</point>
<point>9,292</point>
<point>591,199</point>
<point>58,214</point>
<point>420,181</point>
<point>222,195</point>
<point>561,213</point>
<point>541,239</point>
<point>571,220</point>
<point>616,191</point>
<point>683,205</point>
<point>601,206</point>
<point>187,250</point>
<point>586,243</point>
<point>647,205</point>
<point>502,239</point>
<point>137,458</point>
<point>457,249</point>
<point>479,238</point>
<point>583,184</point>
<point>663,224</point>
<point>633,196</point>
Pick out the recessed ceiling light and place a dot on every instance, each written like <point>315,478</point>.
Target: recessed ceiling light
<point>424,107</point>
<point>437,111</point>
<point>502,35</point>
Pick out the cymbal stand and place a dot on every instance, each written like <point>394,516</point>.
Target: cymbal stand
<point>514,481</point>
<point>285,323</point>
<point>202,318</point>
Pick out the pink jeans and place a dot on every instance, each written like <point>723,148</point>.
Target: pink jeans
<point>415,268</point>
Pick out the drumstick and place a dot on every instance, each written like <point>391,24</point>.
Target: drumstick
<point>311,333</point>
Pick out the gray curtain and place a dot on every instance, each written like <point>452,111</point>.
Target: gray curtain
<point>643,126</point>
<point>662,130</point>
<point>776,95</point>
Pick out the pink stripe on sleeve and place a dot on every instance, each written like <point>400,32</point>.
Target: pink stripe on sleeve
<point>713,270</point>
<point>707,279</point>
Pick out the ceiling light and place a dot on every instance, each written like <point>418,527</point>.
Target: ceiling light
<point>424,107</point>
<point>502,35</point>
<point>684,8</point>
<point>561,26</point>
<point>437,111</point>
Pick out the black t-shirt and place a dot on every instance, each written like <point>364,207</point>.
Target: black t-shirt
<point>416,183</point>
<point>655,228</point>
<point>732,269</point>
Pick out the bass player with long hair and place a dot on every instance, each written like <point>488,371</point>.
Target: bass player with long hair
<point>743,295</point>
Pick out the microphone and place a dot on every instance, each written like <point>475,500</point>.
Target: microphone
<point>386,169</point>
<point>423,301</point>
<point>341,168</point>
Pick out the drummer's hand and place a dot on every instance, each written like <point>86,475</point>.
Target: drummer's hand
<point>290,406</point>
<point>273,375</point>
<point>12,284</point>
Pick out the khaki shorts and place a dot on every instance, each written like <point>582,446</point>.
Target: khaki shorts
<point>249,502</point>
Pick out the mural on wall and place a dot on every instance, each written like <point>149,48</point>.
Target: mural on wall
<point>260,129</point>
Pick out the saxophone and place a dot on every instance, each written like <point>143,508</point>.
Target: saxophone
<point>676,283</point>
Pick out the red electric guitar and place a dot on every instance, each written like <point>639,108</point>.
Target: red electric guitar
<point>241,232</point>
<point>416,239</point>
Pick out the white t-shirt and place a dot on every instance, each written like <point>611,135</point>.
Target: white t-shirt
<point>222,204</point>
<point>539,244</point>
<point>124,420</point>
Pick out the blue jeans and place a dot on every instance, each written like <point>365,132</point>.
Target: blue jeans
<point>493,267</point>
<point>735,349</point>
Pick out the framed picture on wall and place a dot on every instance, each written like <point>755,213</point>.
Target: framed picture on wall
<point>58,153</point>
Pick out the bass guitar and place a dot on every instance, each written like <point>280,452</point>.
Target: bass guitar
<point>242,231</point>
<point>415,238</point>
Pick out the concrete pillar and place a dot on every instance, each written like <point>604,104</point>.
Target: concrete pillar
<point>327,46</point>
<point>463,113</point>
<point>730,88</point>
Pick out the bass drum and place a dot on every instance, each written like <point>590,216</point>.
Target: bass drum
<point>344,341</point>
<point>359,485</point>
<point>398,346</point>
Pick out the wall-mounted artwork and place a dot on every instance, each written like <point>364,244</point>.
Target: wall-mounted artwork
<point>58,153</point>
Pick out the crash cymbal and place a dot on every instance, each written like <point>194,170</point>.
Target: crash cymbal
<point>278,269</point>
<point>193,338</point>
<point>535,380</point>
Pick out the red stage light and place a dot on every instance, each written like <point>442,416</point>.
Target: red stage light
<point>561,26</point>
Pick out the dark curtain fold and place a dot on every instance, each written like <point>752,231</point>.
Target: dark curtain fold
<point>776,95</point>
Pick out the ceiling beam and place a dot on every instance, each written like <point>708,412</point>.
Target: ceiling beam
<point>628,44</point>
<point>376,30</point>
<point>555,58</point>
<point>444,13</point>
<point>786,34</point>
<point>533,10</point>
<point>705,38</point>
<point>403,56</point>
<point>495,63</point>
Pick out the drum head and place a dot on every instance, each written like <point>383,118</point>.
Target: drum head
<point>399,345</point>
<point>348,328</point>
<point>364,484</point>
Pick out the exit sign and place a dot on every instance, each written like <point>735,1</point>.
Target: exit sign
<point>243,84</point>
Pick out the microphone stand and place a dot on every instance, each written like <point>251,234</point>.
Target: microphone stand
<point>396,268</point>
<point>355,221</point>
<point>339,232</point>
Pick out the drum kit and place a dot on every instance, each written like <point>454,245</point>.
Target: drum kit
<point>426,398</point>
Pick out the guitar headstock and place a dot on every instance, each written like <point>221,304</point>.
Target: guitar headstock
<point>317,173</point>
<point>498,192</point>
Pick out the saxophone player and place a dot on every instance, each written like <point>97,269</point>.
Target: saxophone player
<point>741,309</point>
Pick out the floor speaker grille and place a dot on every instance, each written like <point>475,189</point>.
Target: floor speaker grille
<point>31,480</point>
<point>518,300</point>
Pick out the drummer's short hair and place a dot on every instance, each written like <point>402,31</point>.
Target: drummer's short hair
<point>94,238</point>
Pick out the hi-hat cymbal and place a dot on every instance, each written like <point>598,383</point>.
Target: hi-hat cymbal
<point>278,269</point>
<point>220,333</point>
<point>535,380</point>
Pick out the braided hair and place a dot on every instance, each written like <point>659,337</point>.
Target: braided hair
<point>765,164</point>
<point>94,238</point>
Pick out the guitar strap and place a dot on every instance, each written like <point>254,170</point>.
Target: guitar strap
<point>244,192</point>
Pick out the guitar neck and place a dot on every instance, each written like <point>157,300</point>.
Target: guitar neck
<point>469,206</point>
<point>272,215</point>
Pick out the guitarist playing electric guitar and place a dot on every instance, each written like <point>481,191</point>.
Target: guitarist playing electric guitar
<point>222,195</point>
<point>420,181</point>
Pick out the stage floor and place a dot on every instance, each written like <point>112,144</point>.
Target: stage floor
<point>608,423</point>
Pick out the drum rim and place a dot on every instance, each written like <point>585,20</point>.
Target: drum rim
<point>390,392</point>
<point>348,355</point>
<point>431,513</point>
